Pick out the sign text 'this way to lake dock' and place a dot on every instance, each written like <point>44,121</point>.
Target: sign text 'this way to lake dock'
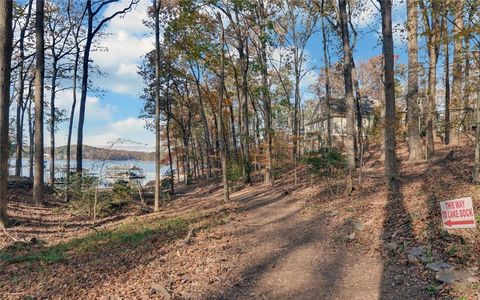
<point>458,213</point>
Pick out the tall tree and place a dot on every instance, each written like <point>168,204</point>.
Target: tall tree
<point>94,25</point>
<point>432,24</point>
<point>298,23</point>
<point>156,9</point>
<point>415,147</point>
<point>347,74</point>
<point>389,85</point>
<point>38,180</point>
<point>458,55</point>
<point>221,82</point>
<point>58,31</point>
<point>75,20</point>
<point>446,73</point>
<point>20,90</point>
<point>326,62</point>
<point>262,17</point>
<point>235,12</point>
<point>6,36</point>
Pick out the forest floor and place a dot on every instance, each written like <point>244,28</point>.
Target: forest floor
<point>295,241</point>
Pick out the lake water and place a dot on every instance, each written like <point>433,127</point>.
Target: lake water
<point>95,166</point>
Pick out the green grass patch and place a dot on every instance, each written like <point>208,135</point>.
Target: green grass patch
<point>129,235</point>
<point>431,289</point>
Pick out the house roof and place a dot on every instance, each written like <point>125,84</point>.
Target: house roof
<point>338,108</point>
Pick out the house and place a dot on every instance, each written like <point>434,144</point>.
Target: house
<point>316,131</point>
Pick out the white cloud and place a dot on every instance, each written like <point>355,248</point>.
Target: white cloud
<point>95,108</point>
<point>131,130</point>
<point>127,40</point>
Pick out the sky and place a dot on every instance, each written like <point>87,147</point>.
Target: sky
<point>115,113</point>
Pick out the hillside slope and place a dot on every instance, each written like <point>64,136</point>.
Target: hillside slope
<point>96,153</point>
<point>295,241</point>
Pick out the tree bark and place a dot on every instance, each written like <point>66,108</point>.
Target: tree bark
<point>432,39</point>
<point>84,89</point>
<point>415,147</point>
<point>74,102</point>
<point>38,180</point>
<point>31,133</point>
<point>234,134</point>
<point>389,85</point>
<point>267,102</point>
<point>204,120</point>
<point>446,139</point>
<point>20,88</point>
<point>167,127</point>
<point>466,94</point>
<point>6,36</point>
<point>221,79</point>
<point>52,120</point>
<point>476,164</point>
<point>156,8</point>
<point>347,74</point>
<point>457,68</point>
<point>327,77</point>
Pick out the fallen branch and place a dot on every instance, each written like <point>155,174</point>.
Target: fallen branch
<point>188,239</point>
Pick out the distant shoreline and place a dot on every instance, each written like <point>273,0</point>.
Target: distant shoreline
<point>96,153</point>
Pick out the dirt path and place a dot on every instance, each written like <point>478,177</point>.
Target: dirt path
<point>292,255</point>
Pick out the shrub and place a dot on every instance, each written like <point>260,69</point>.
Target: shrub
<point>167,180</point>
<point>325,162</point>
<point>234,171</point>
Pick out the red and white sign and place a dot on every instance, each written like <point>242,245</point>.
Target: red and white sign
<point>458,213</point>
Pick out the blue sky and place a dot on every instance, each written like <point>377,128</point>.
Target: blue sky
<point>115,114</point>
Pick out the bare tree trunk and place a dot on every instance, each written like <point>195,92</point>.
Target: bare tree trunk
<point>327,78</point>
<point>415,147</point>
<point>267,102</point>
<point>476,165</point>
<point>446,140</point>
<point>19,127</point>
<point>186,158</point>
<point>389,85</point>
<point>347,74</point>
<point>31,134</point>
<point>359,112</point>
<point>295,128</point>
<point>204,119</point>
<point>432,100</point>
<point>83,98</point>
<point>457,67</point>
<point>38,180</point>
<point>466,94</point>
<point>74,103</point>
<point>156,9</point>
<point>52,122</point>
<point>202,160</point>
<point>177,162</point>
<point>170,161</point>
<point>6,36</point>
<point>245,136</point>
<point>21,87</point>
<point>234,134</point>
<point>433,29</point>
<point>221,79</point>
